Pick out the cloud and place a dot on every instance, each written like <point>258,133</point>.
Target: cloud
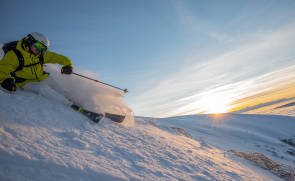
<point>229,74</point>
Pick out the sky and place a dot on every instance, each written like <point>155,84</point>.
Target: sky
<point>175,57</point>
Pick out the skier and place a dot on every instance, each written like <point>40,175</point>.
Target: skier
<point>23,61</point>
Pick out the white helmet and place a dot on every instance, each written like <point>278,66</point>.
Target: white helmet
<point>41,38</point>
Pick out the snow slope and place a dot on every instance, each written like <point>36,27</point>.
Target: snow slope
<point>243,132</point>
<point>43,140</point>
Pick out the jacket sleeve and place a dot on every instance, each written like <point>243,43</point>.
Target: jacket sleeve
<point>8,64</point>
<point>51,57</point>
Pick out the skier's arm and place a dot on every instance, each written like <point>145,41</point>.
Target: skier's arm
<point>51,57</point>
<point>8,64</point>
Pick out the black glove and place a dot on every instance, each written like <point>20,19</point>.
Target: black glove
<point>9,84</point>
<point>67,69</point>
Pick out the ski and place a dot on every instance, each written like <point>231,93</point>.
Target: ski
<point>96,117</point>
<point>115,117</point>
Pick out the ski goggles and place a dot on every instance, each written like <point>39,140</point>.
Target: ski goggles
<point>40,46</point>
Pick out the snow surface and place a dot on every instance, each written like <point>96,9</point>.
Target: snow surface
<point>260,133</point>
<point>44,139</point>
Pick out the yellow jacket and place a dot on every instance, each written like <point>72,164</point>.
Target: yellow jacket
<point>34,73</point>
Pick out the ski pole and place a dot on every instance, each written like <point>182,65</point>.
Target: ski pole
<point>124,90</point>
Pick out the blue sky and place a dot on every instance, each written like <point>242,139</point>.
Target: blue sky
<point>173,56</point>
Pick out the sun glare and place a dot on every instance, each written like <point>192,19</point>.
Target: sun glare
<point>215,103</point>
